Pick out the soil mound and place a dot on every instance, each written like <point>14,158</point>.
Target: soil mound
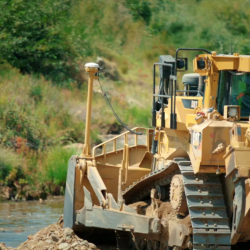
<point>53,237</point>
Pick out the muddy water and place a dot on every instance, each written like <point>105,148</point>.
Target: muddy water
<point>20,219</point>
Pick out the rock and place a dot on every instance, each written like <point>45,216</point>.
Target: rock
<point>75,244</point>
<point>63,245</point>
<point>2,230</point>
<point>54,238</point>
<point>3,247</point>
<point>92,246</point>
<point>67,248</point>
<point>85,243</point>
<point>61,240</point>
<point>83,248</point>
<point>30,237</point>
<point>60,221</point>
<point>68,232</point>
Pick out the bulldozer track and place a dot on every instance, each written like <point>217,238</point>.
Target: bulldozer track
<point>207,209</point>
<point>205,201</point>
<point>142,188</point>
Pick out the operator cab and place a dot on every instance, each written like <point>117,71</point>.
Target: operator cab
<point>234,89</point>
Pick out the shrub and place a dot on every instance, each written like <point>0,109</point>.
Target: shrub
<point>36,93</point>
<point>56,165</point>
<point>140,9</point>
<point>31,39</point>
<point>18,121</point>
<point>9,163</point>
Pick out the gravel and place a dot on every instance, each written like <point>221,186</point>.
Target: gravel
<point>53,237</point>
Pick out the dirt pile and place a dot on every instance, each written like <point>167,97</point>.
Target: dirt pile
<point>53,237</point>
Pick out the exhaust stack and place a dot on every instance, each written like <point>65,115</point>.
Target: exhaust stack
<point>92,69</point>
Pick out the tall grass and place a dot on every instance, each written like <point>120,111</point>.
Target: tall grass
<point>56,165</point>
<point>8,161</point>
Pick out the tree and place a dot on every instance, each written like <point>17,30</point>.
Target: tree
<point>30,38</point>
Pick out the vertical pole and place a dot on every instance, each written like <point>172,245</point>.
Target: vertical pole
<point>92,69</point>
<point>211,88</point>
<point>154,105</point>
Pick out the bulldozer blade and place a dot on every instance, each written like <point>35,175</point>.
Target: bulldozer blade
<point>69,208</point>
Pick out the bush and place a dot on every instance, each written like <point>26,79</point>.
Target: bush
<point>31,39</point>
<point>56,165</point>
<point>18,121</point>
<point>9,162</point>
<point>140,9</point>
<point>36,93</point>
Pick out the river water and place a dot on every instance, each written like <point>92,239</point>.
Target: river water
<point>18,220</point>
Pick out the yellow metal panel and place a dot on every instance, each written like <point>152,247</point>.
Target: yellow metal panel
<point>238,159</point>
<point>190,120</point>
<point>244,64</point>
<point>225,62</point>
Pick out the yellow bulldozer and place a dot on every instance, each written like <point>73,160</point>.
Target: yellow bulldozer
<point>184,183</point>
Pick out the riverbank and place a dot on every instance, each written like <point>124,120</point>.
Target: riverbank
<point>53,237</point>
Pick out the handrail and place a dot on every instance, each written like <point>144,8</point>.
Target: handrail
<point>114,139</point>
<point>164,96</point>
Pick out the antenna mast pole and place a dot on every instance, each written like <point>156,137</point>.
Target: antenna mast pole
<point>92,69</point>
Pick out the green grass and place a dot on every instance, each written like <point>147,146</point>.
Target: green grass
<point>55,166</point>
<point>9,163</point>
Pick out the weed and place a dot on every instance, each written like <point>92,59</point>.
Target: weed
<point>56,165</point>
<point>36,93</point>
<point>9,161</point>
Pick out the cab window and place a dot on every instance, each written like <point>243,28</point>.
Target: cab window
<point>234,89</point>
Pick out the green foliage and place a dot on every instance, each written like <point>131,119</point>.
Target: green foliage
<point>36,112</point>
<point>139,116</point>
<point>9,162</point>
<point>140,9</point>
<point>56,165</point>
<point>19,121</point>
<point>185,24</point>
<point>16,175</point>
<point>31,39</point>
<point>36,93</point>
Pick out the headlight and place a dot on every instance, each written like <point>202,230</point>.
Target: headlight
<point>232,112</point>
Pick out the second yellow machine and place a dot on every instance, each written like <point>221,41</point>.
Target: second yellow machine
<point>184,184</point>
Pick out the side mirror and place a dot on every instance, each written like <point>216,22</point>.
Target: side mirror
<point>182,62</point>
